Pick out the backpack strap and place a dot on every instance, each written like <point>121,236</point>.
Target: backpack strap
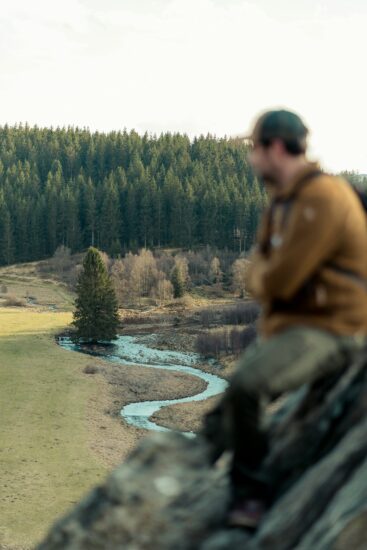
<point>286,203</point>
<point>307,178</point>
<point>351,275</point>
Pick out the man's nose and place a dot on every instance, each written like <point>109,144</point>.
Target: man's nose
<point>251,157</point>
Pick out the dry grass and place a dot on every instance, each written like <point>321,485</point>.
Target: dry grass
<point>185,416</point>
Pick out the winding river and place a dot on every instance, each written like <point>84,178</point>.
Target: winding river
<point>135,350</point>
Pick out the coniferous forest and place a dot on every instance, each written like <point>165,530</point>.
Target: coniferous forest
<point>121,191</point>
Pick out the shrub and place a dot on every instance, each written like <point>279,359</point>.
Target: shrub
<point>139,319</point>
<point>244,313</point>
<point>91,369</point>
<point>207,317</point>
<point>213,344</point>
<point>14,301</point>
<point>239,270</point>
<point>137,276</point>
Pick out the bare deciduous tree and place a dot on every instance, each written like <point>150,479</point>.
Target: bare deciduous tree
<point>215,273</point>
<point>137,276</point>
<point>239,269</point>
<point>61,259</point>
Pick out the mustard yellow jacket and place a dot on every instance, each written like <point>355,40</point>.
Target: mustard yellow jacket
<point>310,264</point>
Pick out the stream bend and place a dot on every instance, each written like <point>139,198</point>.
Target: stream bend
<point>131,350</point>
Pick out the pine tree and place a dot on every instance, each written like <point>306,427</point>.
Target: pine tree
<point>178,282</point>
<point>109,215</point>
<point>6,236</point>
<point>96,315</point>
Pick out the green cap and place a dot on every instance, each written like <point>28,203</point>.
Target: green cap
<point>280,124</point>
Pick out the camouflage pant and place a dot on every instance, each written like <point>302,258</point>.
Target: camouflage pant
<point>297,356</point>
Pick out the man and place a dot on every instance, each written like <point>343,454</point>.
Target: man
<point>309,272</point>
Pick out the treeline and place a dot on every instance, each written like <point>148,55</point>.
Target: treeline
<point>121,191</point>
<point>357,180</point>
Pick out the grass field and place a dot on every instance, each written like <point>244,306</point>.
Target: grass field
<point>45,460</point>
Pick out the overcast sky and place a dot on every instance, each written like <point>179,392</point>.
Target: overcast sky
<point>193,66</point>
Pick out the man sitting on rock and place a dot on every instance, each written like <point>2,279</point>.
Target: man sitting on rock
<point>309,272</point>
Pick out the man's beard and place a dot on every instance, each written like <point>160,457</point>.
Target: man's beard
<point>269,180</point>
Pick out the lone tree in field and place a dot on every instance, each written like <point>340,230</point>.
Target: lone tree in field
<point>96,314</point>
<point>178,282</point>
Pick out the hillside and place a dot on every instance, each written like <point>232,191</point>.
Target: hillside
<point>22,283</point>
<point>121,191</point>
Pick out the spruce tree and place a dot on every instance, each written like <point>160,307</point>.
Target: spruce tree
<point>178,282</point>
<point>96,314</point>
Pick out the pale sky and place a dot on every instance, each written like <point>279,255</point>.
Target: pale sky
<point>193,66</point>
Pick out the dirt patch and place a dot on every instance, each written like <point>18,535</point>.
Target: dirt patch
<point>111,438</point>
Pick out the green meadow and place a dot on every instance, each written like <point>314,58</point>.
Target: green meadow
<point>45,461</point>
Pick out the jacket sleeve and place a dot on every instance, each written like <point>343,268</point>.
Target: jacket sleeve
<point>310,238</point>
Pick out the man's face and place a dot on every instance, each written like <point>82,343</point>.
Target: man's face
<point>264,162</point>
